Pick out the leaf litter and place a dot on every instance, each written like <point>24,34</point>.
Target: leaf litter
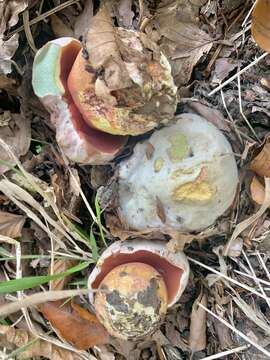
<point>206,44</point>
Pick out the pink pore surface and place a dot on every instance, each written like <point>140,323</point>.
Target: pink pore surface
<point>103,142</point>
<point>170,273</point>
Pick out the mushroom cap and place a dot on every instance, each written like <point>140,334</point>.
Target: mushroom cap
<point>186,171</point>
<point>173,266</point>
<point>79,142</point>
<point>132,301</point>
<point>148,102</point>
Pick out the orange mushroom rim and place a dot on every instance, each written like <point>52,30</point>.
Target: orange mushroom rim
<point>105,142</point>
<point>171,273</point>
<point>50,83</point>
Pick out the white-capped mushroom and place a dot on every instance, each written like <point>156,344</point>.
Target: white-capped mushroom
<point>183,178</point>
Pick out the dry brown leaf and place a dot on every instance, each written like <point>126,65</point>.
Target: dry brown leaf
<point>261,164</point>
<point>60,266</point>
<point>37,299</point>
<point>257,191</point>
<point>214,116</point>
<point>59,27</point>
<point>223,67</point>
<point>40,348</point>
<point>197,337</point>
<point>123,13</point>
<point>8,84</point>
<point>117,54</point>
<point>101,43</point>
<point>9,12</point>
<point>86,329</point>
<point>260,24</point>
<point>17,134</point>
<point>181,40</point>
<point>249,221</point>
<point>11,225</point>
<point>82,23</point>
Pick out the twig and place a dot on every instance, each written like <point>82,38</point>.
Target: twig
<point>43,16</point>
<point>255,277</point>
<point>248,14</point>
<point>246,287</point>
<point>241,109</point>
<point>252,277</point>
<point>238,332</point>
<point>221,86</point>
<point>39,298</point>
<point>228,352</point>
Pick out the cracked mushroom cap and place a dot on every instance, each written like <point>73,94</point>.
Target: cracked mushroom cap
<point>124,272</point>
<point>182,178</point>
<point>132,301</point>
<point>148,101</point>
<point>79,142</point>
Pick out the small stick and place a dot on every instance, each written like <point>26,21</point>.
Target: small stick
<point>238,332</point>
<point>228,352</point>
<point>246,287</point>
<point>221,86</point>
<point>252,277</point>
<point>44,15</point>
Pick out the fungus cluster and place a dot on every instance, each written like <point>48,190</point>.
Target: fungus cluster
<point>92,117</point>
<point>182,178</point>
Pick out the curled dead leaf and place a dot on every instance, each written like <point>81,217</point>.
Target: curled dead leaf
<point>11,225</point>
<point>86,329</point>
<point>197,337</point>
<point>261,163</point>
<point>260,24</point>
<point>257,191</point>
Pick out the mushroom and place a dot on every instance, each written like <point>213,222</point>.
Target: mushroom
<point>138,280</point>
<point>79,142</point>
<point>183,178</point>
<point>128,88</point>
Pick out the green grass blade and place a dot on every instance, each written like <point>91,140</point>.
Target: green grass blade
<point>98,214</point>
<point>32,281</point>
<point>93,245</point>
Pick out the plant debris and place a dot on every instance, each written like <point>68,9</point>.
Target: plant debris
<point>146,63</point>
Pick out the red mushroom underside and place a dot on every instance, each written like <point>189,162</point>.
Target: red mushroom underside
<point>103,142</point>
<point>171,274</point>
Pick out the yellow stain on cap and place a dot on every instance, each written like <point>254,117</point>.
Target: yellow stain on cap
<point>158,164</point>
<point>193,191</point>
<point>179,147</point>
